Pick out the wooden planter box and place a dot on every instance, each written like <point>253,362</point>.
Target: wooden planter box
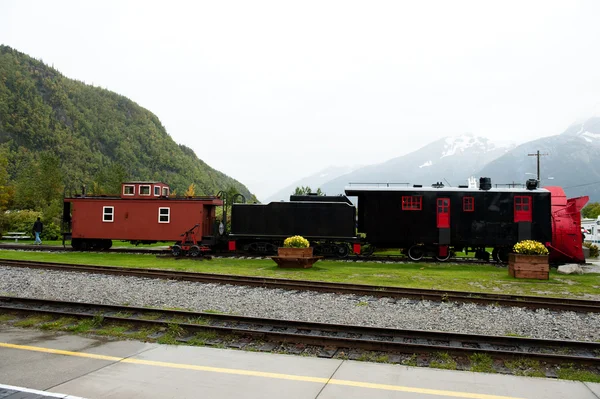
<point>295,252</point>
<point>295,257</point>
<point>528,266</point>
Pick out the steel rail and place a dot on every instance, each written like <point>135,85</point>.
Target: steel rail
<point>531,302</point>
<point>320,334</point>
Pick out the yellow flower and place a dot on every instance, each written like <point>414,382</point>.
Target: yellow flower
<point>530,247</point>
<point>296,242</point>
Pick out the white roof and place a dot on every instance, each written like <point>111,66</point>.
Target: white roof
<point>403,187</point>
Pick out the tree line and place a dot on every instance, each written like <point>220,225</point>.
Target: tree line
<point>58,135</point>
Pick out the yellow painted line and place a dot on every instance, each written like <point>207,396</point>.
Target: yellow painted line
<point>262,374</point>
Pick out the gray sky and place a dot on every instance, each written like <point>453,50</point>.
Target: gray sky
<point>270,92</point>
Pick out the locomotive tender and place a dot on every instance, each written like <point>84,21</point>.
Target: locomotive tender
<point>434,220</point>
<point>327,222</point>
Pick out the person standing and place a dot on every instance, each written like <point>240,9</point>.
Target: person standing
<point>38,227</point>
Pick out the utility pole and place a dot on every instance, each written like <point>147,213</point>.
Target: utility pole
<point>538,155</point>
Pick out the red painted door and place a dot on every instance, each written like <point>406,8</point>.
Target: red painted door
<point>443,213</point>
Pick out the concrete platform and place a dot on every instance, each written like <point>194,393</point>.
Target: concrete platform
<point>99,368</point>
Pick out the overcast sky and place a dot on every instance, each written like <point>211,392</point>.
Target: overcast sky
<point>270,92</point>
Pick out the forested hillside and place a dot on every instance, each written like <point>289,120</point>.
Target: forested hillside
<point>58,133</point>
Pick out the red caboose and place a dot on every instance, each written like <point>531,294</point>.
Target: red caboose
<point>144,212</point>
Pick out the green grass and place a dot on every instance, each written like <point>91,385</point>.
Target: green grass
<point>481,362</point>
<point>442,276</point>
<point>443,360</point>
<point>571,373</point>
<point>7,317</point>
<point>116,244</point>
<point>33,321</point>
<point>525,367</point>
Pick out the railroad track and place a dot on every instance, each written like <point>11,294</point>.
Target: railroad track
<point>532,302</point>
<point>331,338</point>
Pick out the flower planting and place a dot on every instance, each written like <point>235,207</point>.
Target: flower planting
<point>530,247</point>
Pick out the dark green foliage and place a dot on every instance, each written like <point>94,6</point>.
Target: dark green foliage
<point>21,221</point>
<point>306,190</point>
<point>593,249</point>
<point>591,210</point>
<point>58,134</point>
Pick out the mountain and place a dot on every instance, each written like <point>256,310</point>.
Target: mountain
<point>313,181</point>
<point>94,135</point>
<point>450,160</point>
<point>569,160</point>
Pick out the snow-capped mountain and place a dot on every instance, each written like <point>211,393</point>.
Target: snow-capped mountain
<point>450,160</point>
<point>570,160</point>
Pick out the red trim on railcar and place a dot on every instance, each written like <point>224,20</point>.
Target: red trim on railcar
<point>231,245</point>
<point>566,226</point>
<point>522,204</point>
<point>443,213</point>
<point>356,248</point>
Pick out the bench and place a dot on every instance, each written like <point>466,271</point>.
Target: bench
<point>16,236</point>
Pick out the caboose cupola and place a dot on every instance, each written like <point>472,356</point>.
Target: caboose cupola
<point>144,190</point>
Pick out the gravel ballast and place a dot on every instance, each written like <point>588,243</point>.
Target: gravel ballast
<point>299,305</point>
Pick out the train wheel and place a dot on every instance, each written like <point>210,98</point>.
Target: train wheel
<point>443,258</point>
<point>416,252</point>
<point>106,244</point>
<point>76,244</point>
<point>342,251</point>
<point>84,245</point>
<point>367,250</point>
<point>194,251</point>
<point>503,255</point>
<point>176,250</point>
<point>495,254</point>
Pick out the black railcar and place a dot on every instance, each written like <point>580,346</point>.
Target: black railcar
<point>329,223</point>
<point>436,219</point>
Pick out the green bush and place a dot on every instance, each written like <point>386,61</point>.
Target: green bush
<point>51,232</point>
<point>21,221</point>
<point>593,249</point>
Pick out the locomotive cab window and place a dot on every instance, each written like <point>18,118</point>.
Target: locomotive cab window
<point>108,213</point>
<point>144,190</point>
<point>468,204</point>
<point>412,203</point>
<point>156,191</point>
<point>128,190</point>
<point>164,215</point>
<point>165,192</point>
<point>522,208</point>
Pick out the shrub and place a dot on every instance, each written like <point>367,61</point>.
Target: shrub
<point>530,247</point>
<point>593,249</point>
<point>20,220</point>
<point>296,242</point>
<point>51,232</point>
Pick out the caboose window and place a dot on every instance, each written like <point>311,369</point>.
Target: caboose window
<point>108,213</point>
<point>164,215</point>
<point>128,190</point>
<point>522,208</point>
<point>156,191</point>
<point>165,191</point>
<point>412,203</point>
<point>144,190</point>
<point>468,204</point>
